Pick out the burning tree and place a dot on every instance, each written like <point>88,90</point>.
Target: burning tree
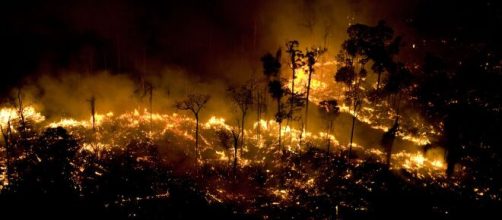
<point>194,103</point>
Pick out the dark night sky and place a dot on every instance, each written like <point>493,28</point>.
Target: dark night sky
<point>205,38</point>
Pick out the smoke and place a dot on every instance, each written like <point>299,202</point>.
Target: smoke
<point>68,94</point>
<point>62,53</point>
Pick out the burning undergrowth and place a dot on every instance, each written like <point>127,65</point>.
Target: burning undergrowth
<point>298,179</point>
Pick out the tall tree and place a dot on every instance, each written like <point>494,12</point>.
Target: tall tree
<point>261,106</point>
<point>92,103</point>
<point>194,103</point>
<point>352,78</point>
<point>242,97</point>
<point>296,61</point>
<point>277,91</point>
<point>272,70</point>
<point>376,43</point>
<point>312,57</point>
<point>399,83</point>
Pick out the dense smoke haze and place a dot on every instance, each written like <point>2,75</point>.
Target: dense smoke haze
<point>202,41</point>
<point>62,53</point>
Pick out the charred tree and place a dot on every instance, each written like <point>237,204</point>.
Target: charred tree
<point>348,75</point>
<point>194,103</point>
<point>312,57</point>
<point>296,61</point>
<point>92,103</point>
<point>242,97</point>
<point>271,69</point>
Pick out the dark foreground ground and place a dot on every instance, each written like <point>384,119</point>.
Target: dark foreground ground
<point>137,191</point>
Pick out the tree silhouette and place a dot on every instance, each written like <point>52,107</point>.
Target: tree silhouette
<point>261,105</point>
<point>272,65</point>
<point>92,104</point>
<point>348,75</point>
<point>378,44</point>
<point>194,103</point>
<point>271,69</point>
<point>312,57</point>
<point>296,61</point>
<point>329,110</point>
<point>398,83</point>
<point>242,97</point>
<point>148,88</point>
<point>373,43</point>
<point>20,112</point>
<point>277,91</point>
<point>224,138</point>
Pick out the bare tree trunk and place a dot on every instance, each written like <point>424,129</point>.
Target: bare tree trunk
<point>307,101</point>
<point>242,131</point>
<point>292,101</point>
<point>280,122</point>
<point>351,136</point>
<point>261,101</point>
<point>354,113</point>
<point>21,114</point>
<point>151,107</point>
<point>258,114</point>
<point>93,112</point>
<point>280,129</point>
<point>197,138</point>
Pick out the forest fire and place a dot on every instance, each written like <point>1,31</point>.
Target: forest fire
<point>298,109</point>
<point>102,134</point>
<point>156,126</point>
